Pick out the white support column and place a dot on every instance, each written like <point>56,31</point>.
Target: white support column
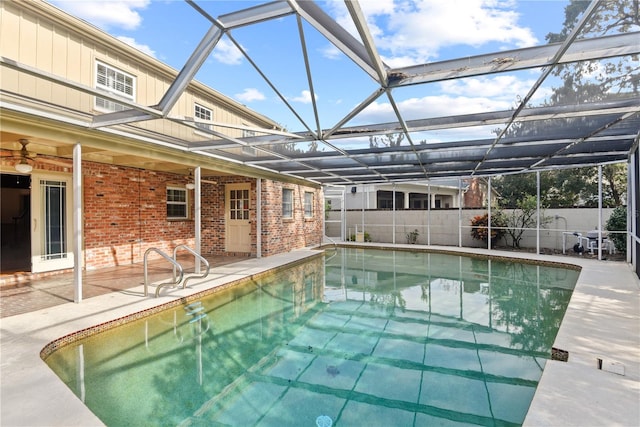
<point>363,202</point>
<point>406,200</point>
<point>259,218</point>
<point>77,223</point>
<point>538,212</point>
<point>599,211</point>
<point>393,215</point>
<point>343,216</point>
<point>489,214</point>
<point>631,206</point>
<point>197,223</point>
<point>429,214</point>
<point>459,212</point>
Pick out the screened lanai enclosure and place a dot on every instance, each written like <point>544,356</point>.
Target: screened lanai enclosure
<point>577,105</point>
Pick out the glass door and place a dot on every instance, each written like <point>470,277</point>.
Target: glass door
<point>51,232</point>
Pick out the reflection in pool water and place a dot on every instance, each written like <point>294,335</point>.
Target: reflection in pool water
<point>362,337</point>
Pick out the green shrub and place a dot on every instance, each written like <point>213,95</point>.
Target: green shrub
<point>618,222</point>
<point>367,237</point>
<point>412,237</point>
<point>480,227</point>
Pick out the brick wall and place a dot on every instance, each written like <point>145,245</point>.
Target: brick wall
<point>213,234</point>
<point>125,214</point>
<point>475,196</point>
<point>278,234</point>
<point>284,234</point>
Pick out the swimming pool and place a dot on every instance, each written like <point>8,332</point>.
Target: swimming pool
<point>359,337</point>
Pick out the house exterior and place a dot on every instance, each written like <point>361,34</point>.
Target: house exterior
<point>129,188</point>
<point>442,194</point>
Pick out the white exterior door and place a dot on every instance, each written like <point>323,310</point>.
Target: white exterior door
<point>51,222</point>
<point>238,225</point>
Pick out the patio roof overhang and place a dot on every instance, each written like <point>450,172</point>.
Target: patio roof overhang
<point>525,138</point>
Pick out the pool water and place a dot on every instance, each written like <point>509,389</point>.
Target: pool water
<point>358,337</point>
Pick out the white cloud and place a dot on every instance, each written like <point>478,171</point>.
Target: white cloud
<point>415,32</point>
<point>227,53</point>
<point>465,96</point>
<point>304,97</point>
<point>249,95</point>
<point>331,52</point>
<point>505,88</point>
<point>141,47</point>
<point>114,14</point>
<point>430,106</point>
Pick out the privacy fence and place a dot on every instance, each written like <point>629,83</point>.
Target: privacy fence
<point>560,230</point>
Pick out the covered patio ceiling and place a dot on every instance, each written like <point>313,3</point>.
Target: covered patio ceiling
<point>525,138</point>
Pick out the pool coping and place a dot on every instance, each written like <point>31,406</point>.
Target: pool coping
<point>602,321</point>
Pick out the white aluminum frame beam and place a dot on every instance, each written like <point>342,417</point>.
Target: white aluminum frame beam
<point>519,59</point>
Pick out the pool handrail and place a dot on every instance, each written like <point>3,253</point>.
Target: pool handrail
<point>176,265</point>
<point>198,258</point>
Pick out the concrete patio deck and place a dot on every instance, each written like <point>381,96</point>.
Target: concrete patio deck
<point>602,321</point>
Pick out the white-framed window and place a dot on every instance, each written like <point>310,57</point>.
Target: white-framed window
<point>202,113</point>
<point>308,204</point>
<point>239,204</point>
<point>287,203</point>
<point>203,116</point>
<point>116,82</point>
<point>177,203</point>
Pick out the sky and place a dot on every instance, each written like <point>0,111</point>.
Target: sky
<point>406,32</point>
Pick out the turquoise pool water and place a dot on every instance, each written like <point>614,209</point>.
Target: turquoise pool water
<point>355,338</point>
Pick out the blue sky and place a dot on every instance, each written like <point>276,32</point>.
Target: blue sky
<point>407,32</point>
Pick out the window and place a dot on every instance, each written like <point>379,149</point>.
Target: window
<point>115,82</point>
<point>287,203</point>
<point>176,203</point>
<point>239,204</point>
<point>384,199</point>
<point>203,113</point>
<point>308,205</point>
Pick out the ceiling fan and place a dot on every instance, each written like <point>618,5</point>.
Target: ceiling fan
<point>26,157</point>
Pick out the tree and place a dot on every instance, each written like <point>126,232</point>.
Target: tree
<point>565,188</point>
<point>389,140</point>
<point>598,80</point>
<point>584,81</point>
<point>518,220</point>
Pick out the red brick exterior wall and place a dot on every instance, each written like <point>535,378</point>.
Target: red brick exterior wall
<point>125,213</point>
<point>475,196</point>
<point>278,235</point>
<point>284,234</point>
<point>213,231</point>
